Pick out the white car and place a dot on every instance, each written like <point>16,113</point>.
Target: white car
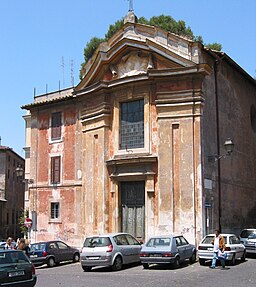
<point>245,233</point>
<point>234,248</point>
<point>250,244</point>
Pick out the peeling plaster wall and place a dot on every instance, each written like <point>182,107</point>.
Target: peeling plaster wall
<point>232,192</point>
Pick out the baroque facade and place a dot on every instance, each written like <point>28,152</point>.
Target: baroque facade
<point>128,149</point>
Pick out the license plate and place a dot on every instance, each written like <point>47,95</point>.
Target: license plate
<point>155,255</point>
<point>17,273</point>
<point>210,249</point>
<point>93,258</point>
<point>33,256</point>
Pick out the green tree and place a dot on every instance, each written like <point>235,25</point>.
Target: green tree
<point>214,46</point>
<point>167,23</point>
<point>23,228</point>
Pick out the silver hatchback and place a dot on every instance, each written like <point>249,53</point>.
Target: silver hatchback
<point>112,250</point>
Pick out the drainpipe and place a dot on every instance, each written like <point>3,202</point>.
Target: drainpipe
<point>215,67</point>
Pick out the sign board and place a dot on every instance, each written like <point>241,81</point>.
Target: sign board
<point>28,222</point>
<point>208,205</point>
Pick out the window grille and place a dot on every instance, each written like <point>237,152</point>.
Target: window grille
<point>132,125</point>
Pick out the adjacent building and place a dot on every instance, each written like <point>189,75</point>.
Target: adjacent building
<point>138,144</point>
<point>12,192</point>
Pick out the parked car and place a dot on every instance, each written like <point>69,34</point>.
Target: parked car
<point>16,269</point>
<point>234,248</point>
<point>112,250</point>
<point>52,253</point>
<point>2,244</point>
<point>245,234</point>
<point>250,243</point>
<point>167,249</point>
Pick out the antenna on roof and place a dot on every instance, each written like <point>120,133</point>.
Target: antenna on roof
<point>130,5</point>
<point>63,70</point>
<point>0,140</point>
<point>34,92</point>
<point>72,72</point>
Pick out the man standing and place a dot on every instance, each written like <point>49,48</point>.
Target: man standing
<point>8,244</point>
<point>218,245</point>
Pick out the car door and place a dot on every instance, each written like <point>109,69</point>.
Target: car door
<point>124,248</point>
<point>236,246</point>
<point>64,251</point>
<point>135,248</point>
<point>188,252</point>
<point>181,248</point>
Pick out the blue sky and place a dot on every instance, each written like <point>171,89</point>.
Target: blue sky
<point>38,36</point>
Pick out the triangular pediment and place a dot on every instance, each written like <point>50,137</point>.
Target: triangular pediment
<point>135,50</point>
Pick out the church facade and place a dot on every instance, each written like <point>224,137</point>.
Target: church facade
<point>137,145</point>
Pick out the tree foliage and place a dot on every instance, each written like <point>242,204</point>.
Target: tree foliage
<point>23,228</point>
<point>167,23</point>
<point>214,46</point>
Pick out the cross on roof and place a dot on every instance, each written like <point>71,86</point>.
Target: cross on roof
<point>130,5</point>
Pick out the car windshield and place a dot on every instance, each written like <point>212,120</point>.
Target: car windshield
<point>252,236</point>
<point>209,239</point>
<point>246,233</point>
<point>37,246</point>
<point>97,242</point>
<point>12,257</point>
<point>159,242</point>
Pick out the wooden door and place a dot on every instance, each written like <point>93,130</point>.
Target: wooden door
<point>133,208</point>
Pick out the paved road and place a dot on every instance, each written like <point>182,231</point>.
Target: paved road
<point>71,275</point>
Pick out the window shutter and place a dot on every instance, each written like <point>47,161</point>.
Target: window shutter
<point>55,169</point>
<point>56,126</point>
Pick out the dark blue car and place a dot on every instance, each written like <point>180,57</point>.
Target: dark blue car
<point>52,253</point>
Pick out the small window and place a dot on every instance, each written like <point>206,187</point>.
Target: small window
<point>56,126</point>
<point>55,169</point>
<point>55,210</point>
<point>121,240</point>
<point>183,240</point>
<point>62,245</point>
<point>132,240</point>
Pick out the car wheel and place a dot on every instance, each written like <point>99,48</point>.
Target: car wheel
<point>51,262</point>
<point>201,261</point>
<point>243,257</point>
<point>76,257</point>
<point>233,260</point>
<point>87,268</point>
<point>176,263</point>
<point>145,265</point>
<point>192,259</point>
<point>117,265</point>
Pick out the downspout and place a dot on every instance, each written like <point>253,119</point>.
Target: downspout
<point>215,67</point>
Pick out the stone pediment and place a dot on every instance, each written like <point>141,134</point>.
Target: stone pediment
<point>135,50</point>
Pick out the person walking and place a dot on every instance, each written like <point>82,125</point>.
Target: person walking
<point>218,245</point>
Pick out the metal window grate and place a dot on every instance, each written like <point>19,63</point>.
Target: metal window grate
<point>55,209</point>
<point>132,125</point>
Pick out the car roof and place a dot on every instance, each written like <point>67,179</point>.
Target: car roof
<point>9,250</point>
<point>165,236</point>
<point>223,234</point>
<point>45,242</point>
<point>109,234</point>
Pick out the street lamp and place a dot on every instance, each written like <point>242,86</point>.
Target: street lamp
<point>229,147</point>
<point>20,173</point>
